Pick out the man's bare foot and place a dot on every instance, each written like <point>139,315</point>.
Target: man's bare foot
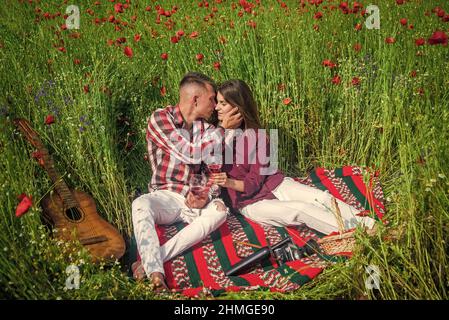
<point>158,281</point>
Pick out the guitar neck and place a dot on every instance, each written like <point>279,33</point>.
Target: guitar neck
<point>61,187</point>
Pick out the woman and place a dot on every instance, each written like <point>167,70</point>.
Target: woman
<point>272,199</point>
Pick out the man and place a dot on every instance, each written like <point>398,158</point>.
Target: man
<point>169,199</point>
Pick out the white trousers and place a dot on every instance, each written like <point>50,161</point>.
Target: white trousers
<point>297,203</point>
<point>164,207</point>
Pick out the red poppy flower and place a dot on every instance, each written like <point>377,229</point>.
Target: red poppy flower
<point>336,79</point>
<point>358,26</point>
<point>357,47</point>
<point>438,37</point>
<point>148,8</point>
<point>217,65</point>
<point>110,42</point>
<point>344,6</point>
<point>399,2</point>
<point>137,37</point>
<point>179,33</point>
<point>252,24</point>
<point>163,91</point>
<point>355,81</point>
<point>64,27</point>
<point>62,49</point>
<point>318,15</point>
<point>403,21</point>
<point>413,73</point>
<point>390,40</point>
<point>193,35</point>
<point>76,61</point>
<point>120,40</point>
<point>128,52</point>
<point>199,57</point>
<point>328,63</point>
<point>49,119</point>
<point>118,7</point>
<point>174,39</point>
<point>287,101</point>
<point>420,41</point>
<point>86,88</point>
<point>24,205</point>
<point>164,56</point>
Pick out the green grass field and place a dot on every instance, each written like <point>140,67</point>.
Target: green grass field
<point>377,102</point>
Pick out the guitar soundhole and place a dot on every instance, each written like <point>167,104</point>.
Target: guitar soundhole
<point>74,214</point>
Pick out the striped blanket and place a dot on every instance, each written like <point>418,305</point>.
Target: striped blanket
<point>201,270</point>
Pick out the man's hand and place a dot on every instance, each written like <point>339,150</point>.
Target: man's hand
<point>232,120</point>
<point>220,178</point>
<point>197,202</point>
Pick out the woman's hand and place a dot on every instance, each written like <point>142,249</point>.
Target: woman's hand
<point>232,120</point>
<point>220,178</point>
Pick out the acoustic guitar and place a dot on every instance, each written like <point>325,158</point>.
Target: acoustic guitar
<point>73,212</point>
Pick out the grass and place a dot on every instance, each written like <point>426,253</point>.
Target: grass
<point>392,121</point>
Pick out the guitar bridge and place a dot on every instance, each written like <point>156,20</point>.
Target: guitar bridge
<point>93,240</point>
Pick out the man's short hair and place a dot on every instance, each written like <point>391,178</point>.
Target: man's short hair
<point>197,78</point>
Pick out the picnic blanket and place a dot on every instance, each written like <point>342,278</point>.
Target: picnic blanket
<point>201,270</point>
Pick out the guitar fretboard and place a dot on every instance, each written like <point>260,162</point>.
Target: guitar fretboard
<point>61,187</point>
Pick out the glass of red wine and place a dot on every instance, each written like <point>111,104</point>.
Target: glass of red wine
<point>198,184</point>
<point>198,187</point>
<point>214,188</point>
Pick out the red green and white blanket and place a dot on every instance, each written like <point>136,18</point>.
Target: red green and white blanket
<point>201,270</point>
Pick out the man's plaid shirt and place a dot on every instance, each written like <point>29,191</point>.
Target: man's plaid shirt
<point>172,151</point>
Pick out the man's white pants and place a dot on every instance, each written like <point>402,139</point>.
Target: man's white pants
<point>165,207</point>
<point>297,203</point>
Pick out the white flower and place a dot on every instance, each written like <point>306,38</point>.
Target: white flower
<point>442,176</point>
<point>428,190</point>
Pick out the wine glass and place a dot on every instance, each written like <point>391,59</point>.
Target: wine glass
<point>214,167</point>
<point>198,187</point>
<point>198,184</point>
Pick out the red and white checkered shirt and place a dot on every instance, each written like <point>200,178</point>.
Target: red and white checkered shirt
<point>175,151</point>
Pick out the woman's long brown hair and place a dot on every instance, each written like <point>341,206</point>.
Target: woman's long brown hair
<point>238,94</point>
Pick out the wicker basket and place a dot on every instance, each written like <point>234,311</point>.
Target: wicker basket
<point>344,241</point>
